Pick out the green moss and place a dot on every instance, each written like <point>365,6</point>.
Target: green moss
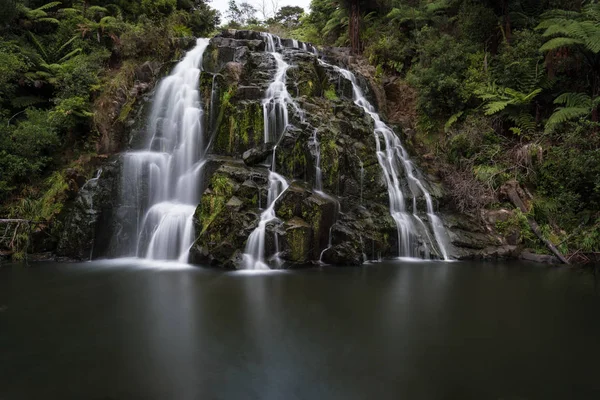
<point>126,109</point>
<point>330,162</point>
<point>299,243</point>
<point>297,162</point>
<point>213,203</point>
<point>330,94</point>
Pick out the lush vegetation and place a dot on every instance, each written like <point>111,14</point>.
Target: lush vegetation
<point>61,63</point>
<point>504,90</point>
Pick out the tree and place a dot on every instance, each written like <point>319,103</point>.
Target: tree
<point>241,14</point>
<point>248,13</point>
<point>288,16</point>
<point>354,25</point>
<point>48,61</point>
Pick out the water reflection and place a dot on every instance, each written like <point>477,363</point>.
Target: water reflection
<point>125,330</point>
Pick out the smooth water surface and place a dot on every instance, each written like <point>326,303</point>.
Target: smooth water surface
<point>115,330</point>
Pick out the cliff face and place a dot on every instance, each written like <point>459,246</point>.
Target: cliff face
<point>336,208</point>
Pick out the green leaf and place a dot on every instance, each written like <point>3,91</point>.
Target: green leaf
<point>558,43</point>
<point>563,115</point>
<point>452,120</point>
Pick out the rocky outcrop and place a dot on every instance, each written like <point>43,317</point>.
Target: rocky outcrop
<point>85,217</point>
<point>345,222</point>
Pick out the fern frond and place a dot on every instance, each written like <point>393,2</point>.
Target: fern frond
<point>495,107</point>
<point>49,5</point>
<point>452,120</point>
<point>565,114</point>
<point>66,44</point>
<point>38,45</point>
<point>560,42</point>
<point>97,9</point>
<point>70,55</point>
<point>49,20</point>
<point>577,100</point>
<point>528,98</point>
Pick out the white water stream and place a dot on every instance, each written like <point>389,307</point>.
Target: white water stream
<point>164,178</point>
<point>276,119</point>
<point>391,154</point>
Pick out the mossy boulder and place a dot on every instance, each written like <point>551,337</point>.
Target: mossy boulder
<point>227,213</point>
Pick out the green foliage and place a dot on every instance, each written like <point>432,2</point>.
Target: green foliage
<point>158,8</point>
<point>26,149</point>
<point>575,106</point>
<point>12,65</point>
<point>440,74</point>
<point>74,61</point>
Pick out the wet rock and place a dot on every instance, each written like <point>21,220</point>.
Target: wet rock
<point>82,218</point>
<point>256,155</point>
<point>249,93</point>
<point>539,258</point>
<point>298,241</point>
<point>228,213</point>
<point>146,72</point>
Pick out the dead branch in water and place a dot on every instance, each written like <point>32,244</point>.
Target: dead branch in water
<point>510,189</point>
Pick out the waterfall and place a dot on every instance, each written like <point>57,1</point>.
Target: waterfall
<point>389,155</point>
<point>276,119</point>
<point>162,180</point>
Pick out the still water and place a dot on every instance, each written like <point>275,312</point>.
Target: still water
<point>395,330</point>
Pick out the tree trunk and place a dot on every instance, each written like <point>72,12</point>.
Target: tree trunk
<point>355,27</point>
<point>510,190</point>
<point>507,25</point>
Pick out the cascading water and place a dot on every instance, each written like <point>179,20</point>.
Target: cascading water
<point>319,190</point>
<point>276,119</point>
<point>163,179</point>
<point>388,158</point>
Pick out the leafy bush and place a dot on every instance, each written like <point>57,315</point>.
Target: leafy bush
<point>440,74</point>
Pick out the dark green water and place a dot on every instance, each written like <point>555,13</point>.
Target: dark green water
<point>389,331</point>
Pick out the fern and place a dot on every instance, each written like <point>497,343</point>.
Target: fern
<point>558,43</point>
<point>565,114</point>
<point>452,120</point>
<point>69,56</point>
<point>38,45</point>
<point>49,5</point>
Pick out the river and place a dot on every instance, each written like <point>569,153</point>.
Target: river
<point>123,330</point>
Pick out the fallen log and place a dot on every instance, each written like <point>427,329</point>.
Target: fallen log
<point>511,190</point>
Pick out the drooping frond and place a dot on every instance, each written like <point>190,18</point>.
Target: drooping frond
<point>49,5</point>
<point>576,100</point>
<point>69,55</point>
<point>66,44</point>
<point>558,43</point>
<point>38,45</point>
<point>495,107</point>
<point>437,6</point>
<point>564,114</point>
<point>452,120</point>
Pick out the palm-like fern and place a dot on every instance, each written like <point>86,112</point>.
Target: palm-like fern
<point>581,32</point>
<point>48,62</point>
<point>571,29</point>
<point>40,14</point>
<point>337,23</point>
<point>575,105</point>
<point>405,14</point>
<point>512,104</point>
